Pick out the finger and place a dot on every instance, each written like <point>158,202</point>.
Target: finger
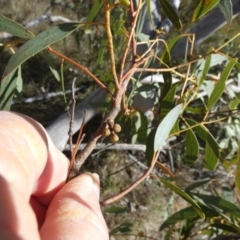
<point>75,213</point>
<point>29,161</point>
<point>15,213</point>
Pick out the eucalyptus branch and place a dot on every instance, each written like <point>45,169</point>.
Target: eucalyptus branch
<point>107,9</point>
<point>131,39</point>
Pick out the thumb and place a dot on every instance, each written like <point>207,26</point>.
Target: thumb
<point>74,212</point>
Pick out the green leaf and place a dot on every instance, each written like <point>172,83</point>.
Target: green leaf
<point>192,148</point>
<point>226,227</point>
<point>219,204</point>
<point>171,14</point>
<point>211,149</point>
<point>197,184</point>
<point>187,213</point>
<point>237,174</point>
<point>115,210</point>
<point>166,52</point>
<point>149,11</point>
<point>183,214</point>
<point>202,76</point>
<point>226,8</point>
<point>200,129</point>
<point>51,64</point>
<point>40,42</point>
<point>167,76</point>
<point>9,26</point>
<point>123,228</point>
<point>185,196</point>
<point>166,126</point>
<point>150,146</point>
<point>7,90</point>
<point>211,153</point>
<point>94,10</point>
<point>220,85</point>
<point>203,7</point>
<point>168,101</point>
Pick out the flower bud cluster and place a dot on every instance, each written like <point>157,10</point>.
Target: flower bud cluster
<point>111,129</point>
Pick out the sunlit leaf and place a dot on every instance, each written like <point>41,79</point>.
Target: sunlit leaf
<point>171,13</point>
<point>40,42</point>
<point>166,126</point>
<point>9,26</point>
<point>192,148</point>
<point>203,7</point>
<point>226,8</point>
<point>220,85</point>
<point>32,47</point>
<point>185,196</point>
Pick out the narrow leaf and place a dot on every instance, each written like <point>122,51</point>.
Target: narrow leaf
<point>211,149</point>
<point>7,90</point>
<point>9,26</point>
<point>203,7</point>
<point>220,204</point>
<point>220,85</point>
<point>51,64</point>
<point>185,196</point>
<point>192,148</point>
<point>164,169</point>
<point>168,101</point>
<point>94,10</point>
<point>211,153</point>
<point>237,174</point>
<point>171,13</point>
<point>226,8</point>
<point>165,127</point>
<point>40,42</point>
<point>202,76</point>
<point>197,184</point>
<point>115,210</point>
<point>186,214</point>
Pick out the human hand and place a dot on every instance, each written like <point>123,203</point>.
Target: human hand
<point>35,202</point>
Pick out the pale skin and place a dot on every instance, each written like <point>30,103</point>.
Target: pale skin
<point>35,201</point>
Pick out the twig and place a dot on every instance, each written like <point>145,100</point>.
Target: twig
<point>107,9</point>
<point>73,169</point>
<point>84,69</point>
<point>70,132</point>
<point>116,146</point>
<point>133,185</point>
